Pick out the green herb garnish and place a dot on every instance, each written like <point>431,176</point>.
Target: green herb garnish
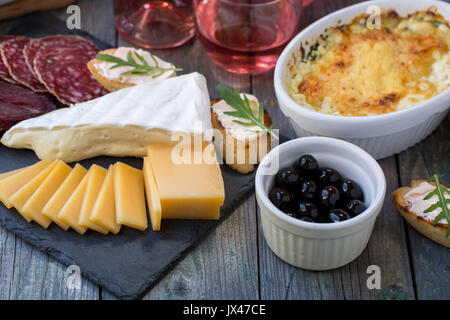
<point>139,69</point>
<point>442,202</point>
<point>436,23</point>
<point>312,53</point>
<point>243,109</point>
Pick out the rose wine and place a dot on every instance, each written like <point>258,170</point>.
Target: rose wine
<point>155,24</point>
<point>246,36</point>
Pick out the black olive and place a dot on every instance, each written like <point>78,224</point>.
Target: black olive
<point>337,215</point>
<point>307,209</point>
<point>355,207</point>
<point>287,177</point>
<point>328,176</point>
<point>308,189</point>
<point>328,196</point>
<point>280,197</point>
<point>305,219</point>
<point>350,190</point>
<point>307,165</point>
<point>321,219</point>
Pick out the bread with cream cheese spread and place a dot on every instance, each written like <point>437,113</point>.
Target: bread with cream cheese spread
<point>435,232</point>
<point>229,146</point>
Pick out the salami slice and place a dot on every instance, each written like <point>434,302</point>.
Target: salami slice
<point>65,74</point>
<point>54,42</point>
<point>14,59</point>
<point>4,73</point>
<point>18,103</point>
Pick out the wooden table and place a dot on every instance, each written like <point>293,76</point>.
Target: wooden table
<point>234,261</point>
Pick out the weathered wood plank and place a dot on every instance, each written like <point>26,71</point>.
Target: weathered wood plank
<point>430,261</point>
<point>36,275</point>
<point>96,18</point>
<point>223,266</point>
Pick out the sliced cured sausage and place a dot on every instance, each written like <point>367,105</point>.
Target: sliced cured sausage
<point>18,103</point>
<point>65,74</point>
<point>4,73</point>
<point>14,59</point>
<point>54,42</point>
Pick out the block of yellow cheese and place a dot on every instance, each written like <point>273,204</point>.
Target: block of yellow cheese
<point>11,184</point>
<point>104,211</point>
<point>129,196</point>
<point>187,190</point>
<point>19,198</point>
<point>33,207</point>
<point>152,194</point>
<point>97,175</point>
<point>70,212</point>
<point>59,199</point>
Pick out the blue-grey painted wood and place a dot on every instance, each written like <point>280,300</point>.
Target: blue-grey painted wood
<point>430,261</point>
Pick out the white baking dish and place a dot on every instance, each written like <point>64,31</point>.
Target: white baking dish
<point>381,135</point>
<point>320,246</point>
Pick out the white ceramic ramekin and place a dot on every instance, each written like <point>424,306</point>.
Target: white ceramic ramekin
<point>382,135</point>
<point>320,246</point>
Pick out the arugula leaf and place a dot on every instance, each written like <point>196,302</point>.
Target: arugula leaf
<point>243,110</point>
<point>141,67</point>
<point>442,202</point>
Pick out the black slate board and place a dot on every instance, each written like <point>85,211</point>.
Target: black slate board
<point>127,264</point>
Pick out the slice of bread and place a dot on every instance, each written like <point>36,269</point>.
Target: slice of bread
<point>229,151</point>
<point>110,84</point>
<point>435,232</point>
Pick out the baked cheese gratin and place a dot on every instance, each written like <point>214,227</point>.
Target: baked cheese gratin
<point>354,70</point>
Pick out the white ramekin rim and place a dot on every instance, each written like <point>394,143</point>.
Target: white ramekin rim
<point>289,106</point>
<point>353,224</point>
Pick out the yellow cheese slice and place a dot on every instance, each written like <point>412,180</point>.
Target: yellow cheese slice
<point>9,173</point>
<point>19,198</point>
<point>11,184</point>
<point>33,207</point>
<point>59,199</point>
<point>97,175</point>
<point>70,213</point>
<point>152,194</point>
<point>129,196</point>
<point>104,211</point>
<point>187,191</point>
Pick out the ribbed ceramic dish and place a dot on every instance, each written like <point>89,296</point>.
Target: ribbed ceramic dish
<point>381,135</point>
<point>320,246</point>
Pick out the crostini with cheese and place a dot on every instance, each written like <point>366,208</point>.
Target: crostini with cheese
<point>412,206</point>
<point>128,74</point>
<point>242,147</point>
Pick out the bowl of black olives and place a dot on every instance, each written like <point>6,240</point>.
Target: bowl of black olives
<point>318,199</point>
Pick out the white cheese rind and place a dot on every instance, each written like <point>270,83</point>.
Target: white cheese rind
<point>121,123</point>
